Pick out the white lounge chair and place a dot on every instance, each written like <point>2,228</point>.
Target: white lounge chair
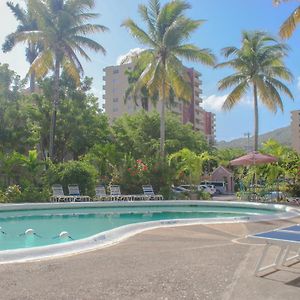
<point>74,191</point>
<point>101,193</point>
<point>116,195</point>
<point>287,239</point>
<point>58,194</point>
<point>149,193</point>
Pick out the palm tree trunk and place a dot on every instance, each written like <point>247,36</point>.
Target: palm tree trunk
<point>32,82</point>
<point>54,108</point>
<point>162,122</point>
<point>255,117</point>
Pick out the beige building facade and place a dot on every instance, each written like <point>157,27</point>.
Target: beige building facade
<point>295,128</point>
<point>116,84</point>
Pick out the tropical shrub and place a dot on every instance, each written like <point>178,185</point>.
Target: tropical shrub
<point>73,172</point>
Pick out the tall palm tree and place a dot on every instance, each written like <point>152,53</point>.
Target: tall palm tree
<point>259,66</point>
<point>26,23</point>
<point>289,25</point>
<point>167,30</point>
<point>62,31</point>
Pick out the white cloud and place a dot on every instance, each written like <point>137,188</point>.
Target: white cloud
<point>214,103</point>
<point>129,55</point>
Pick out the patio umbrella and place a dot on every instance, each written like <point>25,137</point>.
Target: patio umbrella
<point>253,158</point>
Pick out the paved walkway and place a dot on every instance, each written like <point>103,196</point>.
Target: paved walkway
<point>191,262</point>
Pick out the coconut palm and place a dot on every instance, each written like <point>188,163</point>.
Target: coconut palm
<point>26,23</point>
<point>62,30</point>
<point>289,25</point>
<point>259,66</point>
<point>167,30</point>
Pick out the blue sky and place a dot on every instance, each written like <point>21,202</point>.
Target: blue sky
<point>224,22</point>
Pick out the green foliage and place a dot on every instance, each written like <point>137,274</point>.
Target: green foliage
<point>139,135</point>
<point>80,122</point>
<point>73,172</point>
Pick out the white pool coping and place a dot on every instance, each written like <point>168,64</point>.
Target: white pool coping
<point>114,236</point>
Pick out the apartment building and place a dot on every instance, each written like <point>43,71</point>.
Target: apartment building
<point>116,84</point>
<point>295,128</point>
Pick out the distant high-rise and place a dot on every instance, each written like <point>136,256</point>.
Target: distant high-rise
<point>116,84</point>
<point>295,127</point>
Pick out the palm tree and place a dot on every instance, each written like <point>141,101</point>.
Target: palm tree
<point>259,65</point>
<point>26,23</point>
<point>167,30</point>
<point>62,31</point>
<point>289,25</point>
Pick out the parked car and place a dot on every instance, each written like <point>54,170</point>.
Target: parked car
<point>188,188</point>
<point>220,186</point>
<point>209,188</point>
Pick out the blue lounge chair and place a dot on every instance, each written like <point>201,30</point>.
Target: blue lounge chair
<point>287,239</point>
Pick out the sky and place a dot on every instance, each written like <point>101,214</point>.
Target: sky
<point>224,22</point>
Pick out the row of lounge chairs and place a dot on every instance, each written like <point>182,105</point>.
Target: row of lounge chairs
<point>101,195</point>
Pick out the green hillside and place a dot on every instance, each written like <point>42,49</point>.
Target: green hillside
<point>282,135</point>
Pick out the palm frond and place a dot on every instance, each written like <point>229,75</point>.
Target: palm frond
<point>139,33</point>
<point>19,13</point>
<point>236,95</point>
<point>179,79</point>
<point>42,64</point>
<point>265,94</point>
<point>179,31</point>
<point>289,26</point>
<point>227,51</point>
<point>193,53</point>
<point>88,29</point>
<point>231,80</point>
<point>279,85</point>
<point>88,43</point>
<point>150,21</point>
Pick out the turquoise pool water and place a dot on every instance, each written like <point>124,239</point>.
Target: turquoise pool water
<point>84,222</point>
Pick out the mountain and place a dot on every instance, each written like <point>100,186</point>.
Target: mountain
<point>282,135</point>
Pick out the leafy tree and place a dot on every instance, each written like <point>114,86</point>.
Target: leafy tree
<point>259,65</point>
<point>15,131</point>
<point>138,134</point>
<point>80,125</point>
<point>26,23</point>
<point>62,31</point>
<point>167,30</point>
<point>189,165</point>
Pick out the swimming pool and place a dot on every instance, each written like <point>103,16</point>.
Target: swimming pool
<point>63,227</point>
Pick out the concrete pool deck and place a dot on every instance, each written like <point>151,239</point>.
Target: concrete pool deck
<point>190,262</point>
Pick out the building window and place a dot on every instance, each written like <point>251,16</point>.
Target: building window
<point>115,109</point>
<point>115,99</point>
<point>116,71</point>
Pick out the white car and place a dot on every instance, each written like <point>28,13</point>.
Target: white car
<point>207,188</point>
<point>202,187</point>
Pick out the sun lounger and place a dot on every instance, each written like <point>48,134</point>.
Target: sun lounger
<point>149,193</point>
<point>58,194</point>
<point>115,193</point>
<point>101,193</point>
<point>74,191</point>
<point>287,239</point>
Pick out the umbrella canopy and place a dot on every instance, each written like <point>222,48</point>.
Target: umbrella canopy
<point>253,158</point>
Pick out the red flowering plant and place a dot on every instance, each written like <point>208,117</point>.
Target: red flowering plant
<point>135,173</point>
